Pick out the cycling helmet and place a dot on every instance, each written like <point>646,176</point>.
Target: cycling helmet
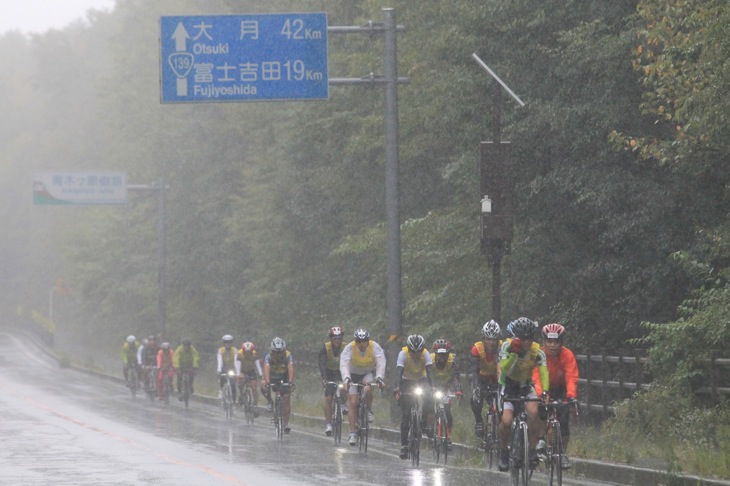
<point>361,335</point>
<point>523,328</point>
<point>227,338</point>
<point>553,331</point>
<point>165,345</point>
<point>131,339</point>
<point>278,344</point>
<point>248,346</point>
<point>415,342</point>
<point>336,331</point>
<point>441,346</point>
<point>491,330</point>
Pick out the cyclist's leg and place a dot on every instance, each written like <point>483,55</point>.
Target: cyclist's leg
<point>160,376</point>
<point>477,404</point>
<point>405,417</point>
<point>535,426</point>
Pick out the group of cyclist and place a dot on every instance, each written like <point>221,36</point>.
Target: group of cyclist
<point>516,366</point>
<point>149,357</point>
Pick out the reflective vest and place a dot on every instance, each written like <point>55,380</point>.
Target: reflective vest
<point>248,360</point>
<point>441,377</point>
<point>366,360</point>
<point>487,368</point>
<point>333,362</point>
<point>414,370</point>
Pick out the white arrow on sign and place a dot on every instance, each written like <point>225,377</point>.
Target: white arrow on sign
<point>181,62</point>
<point>180,35</point>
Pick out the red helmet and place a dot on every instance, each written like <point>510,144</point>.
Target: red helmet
<point>441,346</point>
<point>553,331</point>
<point>336,331</point>
<point>247,346</point>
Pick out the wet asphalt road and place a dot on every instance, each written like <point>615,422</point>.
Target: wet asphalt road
<point>60,426</point>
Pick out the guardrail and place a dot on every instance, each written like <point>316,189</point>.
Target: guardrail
<point>605,380</point>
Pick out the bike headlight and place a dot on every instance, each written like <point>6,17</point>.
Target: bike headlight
<point>231,373</point>
<point>438,395</point>
<point>418,391</point>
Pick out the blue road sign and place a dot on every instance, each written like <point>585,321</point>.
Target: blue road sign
<point>253,57</point>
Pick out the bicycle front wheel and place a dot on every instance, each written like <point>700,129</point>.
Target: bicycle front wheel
<point>228,402</point>
<point>133,382</point>
<point>519,456</point>
<point>415,441</point>
<point>555,455</point>
<point>491,440</point>
<point>279,419</point>
<point>363,426</point>
<point>337,420</point>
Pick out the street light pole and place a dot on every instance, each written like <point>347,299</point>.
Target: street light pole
<point>496,227</point>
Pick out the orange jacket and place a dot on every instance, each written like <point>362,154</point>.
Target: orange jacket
<point>563,371</point>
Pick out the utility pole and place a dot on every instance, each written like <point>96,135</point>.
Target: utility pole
<point>390,81</point>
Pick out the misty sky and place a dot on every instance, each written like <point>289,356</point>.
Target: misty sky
<point>38,16</point>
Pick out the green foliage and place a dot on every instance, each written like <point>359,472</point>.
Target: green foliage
<point>664,424</point>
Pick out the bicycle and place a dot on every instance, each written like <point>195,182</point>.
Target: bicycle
<point>186,386</point>
<point>227,394</point>
<point>414,429</point>
<point>336,410</point>
<point>554,441</point>
<point>490,437</point>
<point>133,380</point>
<point>167,374</point>
<point>278,418</point>
<point>441,426</point>
<point>519,449</point>
<point>150,387</point>
<point>247,398</point>
<point>362,423</point>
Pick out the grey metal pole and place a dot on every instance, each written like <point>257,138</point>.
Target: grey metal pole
<point>392,195</point>
<point>161,232</point>
<point>392,198</point>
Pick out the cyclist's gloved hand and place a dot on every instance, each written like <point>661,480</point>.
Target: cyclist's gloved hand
<point>348,381</point>
<point>458,394</point>
<point>380,382</point>
<point>515,346</point>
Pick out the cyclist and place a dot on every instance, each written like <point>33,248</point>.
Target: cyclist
<point>250,366</point>
<point>165,367</point>
<point>484,359</point>
<point>186,360</point>
<point>129,356</point>
<point>279,367</point>
<point>414,368</point>
<point>563,371</point>
<point>329,369</point>
<point>227,361</point>
<point>147,356</point>
<point>357,362</point>
<point>518,357</point>
<point>446,376</point>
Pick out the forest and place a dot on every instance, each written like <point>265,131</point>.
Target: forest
<point>275,212</point>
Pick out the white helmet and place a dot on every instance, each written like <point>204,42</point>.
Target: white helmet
<point>131,339</point>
